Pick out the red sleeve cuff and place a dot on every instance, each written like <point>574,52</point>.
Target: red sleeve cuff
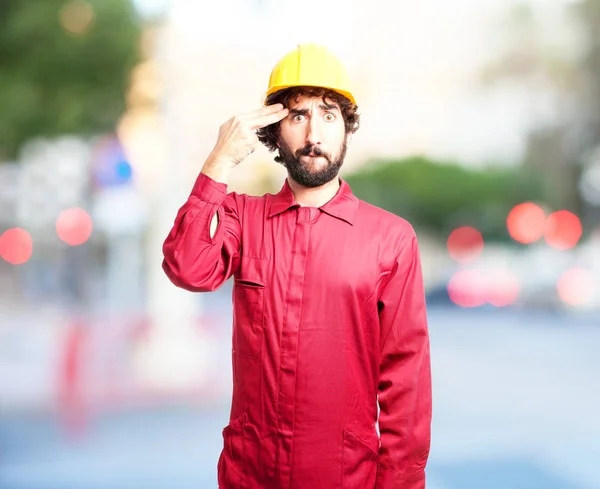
<point>390,479</point>
<point>209,190</point>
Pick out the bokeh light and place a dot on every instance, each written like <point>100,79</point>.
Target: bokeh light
<point>74,226</point>
<point>465,244</point>
<point>16,246</point>
<point>502,287</point>
<point>474,287</point>
<point>526,222</point>
<point>77,16</point>
<point>466,289</point>
<point>563,230</point>
<point>576,286</point>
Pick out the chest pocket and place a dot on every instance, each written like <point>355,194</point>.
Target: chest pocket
<point>248,306</point>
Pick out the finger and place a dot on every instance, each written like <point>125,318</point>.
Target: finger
<point>266,110</point>
<point>267,120</point>
<point>271,109</point>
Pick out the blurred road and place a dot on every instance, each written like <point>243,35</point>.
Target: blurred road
<point>516,404</point>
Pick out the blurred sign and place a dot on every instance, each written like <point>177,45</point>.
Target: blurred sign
<point>118,206</point>
<point>110,167</point>
<point>119,210</point>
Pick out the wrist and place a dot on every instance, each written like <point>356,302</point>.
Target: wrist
<point>217,168</point>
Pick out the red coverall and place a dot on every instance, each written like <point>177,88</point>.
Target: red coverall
<point>328,321</point>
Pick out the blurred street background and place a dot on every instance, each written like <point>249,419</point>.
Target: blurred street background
<point>480,124</point>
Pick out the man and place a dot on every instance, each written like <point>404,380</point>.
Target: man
<point>329,314</point>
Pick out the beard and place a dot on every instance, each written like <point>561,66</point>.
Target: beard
<point>302,173</point>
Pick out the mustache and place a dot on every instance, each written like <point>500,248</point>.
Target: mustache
<point>314,150</point>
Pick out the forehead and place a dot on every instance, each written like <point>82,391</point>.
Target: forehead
<point>307,101</point>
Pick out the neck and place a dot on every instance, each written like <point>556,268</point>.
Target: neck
<point>314,197</point>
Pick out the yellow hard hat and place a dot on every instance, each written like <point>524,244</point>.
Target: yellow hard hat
<point>311,65</point>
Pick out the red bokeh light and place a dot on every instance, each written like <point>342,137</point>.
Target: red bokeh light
<point>465,244</point>
<point>526,222</point>
<point>503,288</point>
<point>563,230</point>
<point>16,246</point>
<point>465,288</point>
<point>474,288</point>
<point>74,226</point>
<point>575,286</point>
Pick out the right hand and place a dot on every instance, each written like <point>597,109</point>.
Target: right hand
<point>237,137</point>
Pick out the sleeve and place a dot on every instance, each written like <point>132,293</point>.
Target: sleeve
<point>404,390</point>
<point>192,259</point>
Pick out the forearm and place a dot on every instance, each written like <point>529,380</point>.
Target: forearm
<point>218,170</point>
<point>203,247</point>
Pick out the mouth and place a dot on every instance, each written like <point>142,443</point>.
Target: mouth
<point>313,159</point>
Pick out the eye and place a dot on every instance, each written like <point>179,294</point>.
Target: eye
<point>298,118</point>
<point>329,117</point>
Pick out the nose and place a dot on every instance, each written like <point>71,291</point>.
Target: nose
<point>313,135</point>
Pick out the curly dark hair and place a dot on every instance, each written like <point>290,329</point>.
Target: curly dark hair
<point>269,135</point>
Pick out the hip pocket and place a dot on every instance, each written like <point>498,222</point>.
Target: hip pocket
<point>359,461</point>
<point>230,467</point>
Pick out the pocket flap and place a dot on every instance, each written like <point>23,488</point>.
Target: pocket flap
<point>370,442</point>
<point>235,426</point>
<point>252,271</point>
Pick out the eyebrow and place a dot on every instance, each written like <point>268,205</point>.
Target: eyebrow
<point>321,106</point>
<point>328,107</point>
